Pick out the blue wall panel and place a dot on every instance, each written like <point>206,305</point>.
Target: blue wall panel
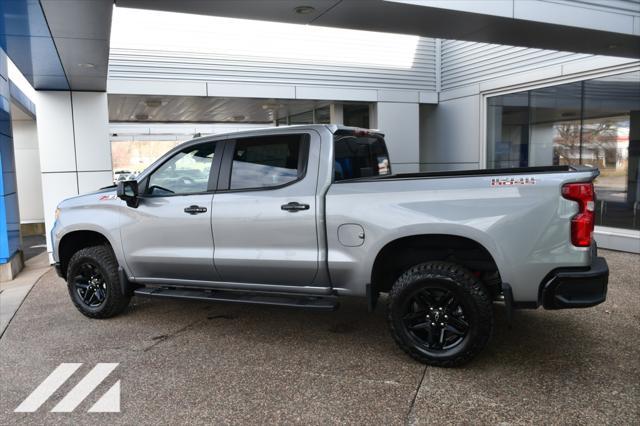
<point>25,37</point>
<point>5,115</point>
<point>8,166</point>
<point>9,213</point>
<point>9,227</point>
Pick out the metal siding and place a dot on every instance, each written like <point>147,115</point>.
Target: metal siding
<point>465,63</point>
<point>145,64</point>
<point>629,7</point>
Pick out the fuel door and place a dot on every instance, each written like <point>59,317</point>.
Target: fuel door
<point>351,235</point>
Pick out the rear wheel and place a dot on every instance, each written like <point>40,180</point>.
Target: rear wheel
<point>440,314</point>
<point>94,284</point>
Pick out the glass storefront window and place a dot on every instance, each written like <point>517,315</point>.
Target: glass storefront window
<point>302,118</point>
<point>555,125</point>
<point>356,115</point>
<point>130,157</point>
<point>508,131</point>
<point>323,115</point>
<point>593,122</point>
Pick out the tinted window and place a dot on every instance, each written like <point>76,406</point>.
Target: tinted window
<point>187,172</point>
<point>267,161</point>
<point>359,156</point>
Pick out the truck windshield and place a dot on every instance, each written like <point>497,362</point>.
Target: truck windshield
<point>359,156</point>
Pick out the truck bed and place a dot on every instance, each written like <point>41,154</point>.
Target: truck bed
<point>480,172</point>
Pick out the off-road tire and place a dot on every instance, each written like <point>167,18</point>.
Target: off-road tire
<point>469,291</point>
<point>103,258</point>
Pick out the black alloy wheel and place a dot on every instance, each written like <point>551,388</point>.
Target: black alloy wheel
<point>94,284</point>
<point>435,318</point>
<point>90,285</point>
<point>440,313</point>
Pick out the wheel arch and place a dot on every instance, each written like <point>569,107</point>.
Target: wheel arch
<point>403,252</point>
<point>73,241</point>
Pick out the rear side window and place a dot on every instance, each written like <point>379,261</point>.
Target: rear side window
<point>359,156</point>
<point>268,161</point>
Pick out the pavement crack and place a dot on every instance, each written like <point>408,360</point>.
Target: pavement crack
<point>164,337</point>
<point>221,316</point>
<point>415,396</point>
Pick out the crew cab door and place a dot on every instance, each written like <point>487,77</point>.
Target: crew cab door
<point>168,236</point>
<point>264,212</point>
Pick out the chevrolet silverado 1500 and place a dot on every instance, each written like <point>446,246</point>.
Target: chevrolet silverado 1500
<point>300,216</point>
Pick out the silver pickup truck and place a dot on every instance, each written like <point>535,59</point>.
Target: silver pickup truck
<point>301,216</point>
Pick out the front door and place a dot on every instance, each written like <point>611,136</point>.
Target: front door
<point>264,213</point>
<point>168,237</point>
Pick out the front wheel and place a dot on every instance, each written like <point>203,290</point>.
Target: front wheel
<point>440,314</point>
<point>93,283</point>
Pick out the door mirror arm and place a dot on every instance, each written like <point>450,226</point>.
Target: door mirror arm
<point>128,191</point>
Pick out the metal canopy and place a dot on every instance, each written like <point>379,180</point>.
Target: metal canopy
<point>458,20</point>
<point>170,109</point>
<point>64,44</point>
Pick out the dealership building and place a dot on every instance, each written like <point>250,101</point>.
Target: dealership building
<point>91,93</point>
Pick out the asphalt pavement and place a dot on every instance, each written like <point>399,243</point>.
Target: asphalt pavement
<point>208,363</point>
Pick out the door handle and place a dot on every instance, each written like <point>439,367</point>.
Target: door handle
<point>294,206</point>
<point>195,210</point>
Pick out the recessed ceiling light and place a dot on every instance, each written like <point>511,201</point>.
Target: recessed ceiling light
<point>304,10</point>
<point>87,65</point>
<point>153,103</point>
<point>272,105</point>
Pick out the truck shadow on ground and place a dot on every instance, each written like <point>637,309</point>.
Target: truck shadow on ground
<point>534,338</point>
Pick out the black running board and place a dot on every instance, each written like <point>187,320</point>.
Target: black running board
<point>316,303</point>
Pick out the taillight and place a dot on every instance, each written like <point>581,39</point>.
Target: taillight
<point>582,224</point>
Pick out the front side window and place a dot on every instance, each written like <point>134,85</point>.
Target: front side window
<point>359,156</point>
<point>187,172</point>
<point>268,161</point>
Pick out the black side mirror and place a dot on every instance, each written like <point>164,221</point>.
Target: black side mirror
<point>128,191</point>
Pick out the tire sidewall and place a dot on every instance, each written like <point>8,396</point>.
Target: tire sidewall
<point>84,256</point>
<point>462,286</point>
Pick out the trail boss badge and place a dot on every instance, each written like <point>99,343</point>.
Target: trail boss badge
<point>511,181</point>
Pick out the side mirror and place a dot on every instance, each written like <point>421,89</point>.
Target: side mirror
<point>128,191</point>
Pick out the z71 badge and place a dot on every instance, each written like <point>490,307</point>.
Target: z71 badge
<point>510,181</point>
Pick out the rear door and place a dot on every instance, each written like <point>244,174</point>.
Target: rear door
<point>264,212</point>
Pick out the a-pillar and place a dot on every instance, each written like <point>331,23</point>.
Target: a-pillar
<point>75,152</point>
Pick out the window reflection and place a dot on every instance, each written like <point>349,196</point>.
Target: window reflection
<point>266,161</point>
<point>594,123</point>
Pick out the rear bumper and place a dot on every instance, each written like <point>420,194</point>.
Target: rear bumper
<point>567,288</point>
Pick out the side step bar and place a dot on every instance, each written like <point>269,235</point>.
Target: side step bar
<point>316,303</point>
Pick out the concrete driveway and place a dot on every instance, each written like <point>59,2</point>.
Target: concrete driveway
<point>214,363</point>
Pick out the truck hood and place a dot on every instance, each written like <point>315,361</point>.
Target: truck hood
<point>103,194</point>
